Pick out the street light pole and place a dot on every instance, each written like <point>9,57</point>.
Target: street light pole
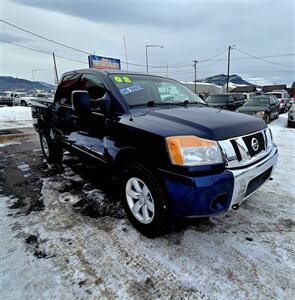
<point>146,54</point>
<point>228,65</point>
<point>146,59</point>
<point>195,67</point>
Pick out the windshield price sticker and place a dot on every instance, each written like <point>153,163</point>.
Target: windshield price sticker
<point>131,89</point>
<point>120,79</point>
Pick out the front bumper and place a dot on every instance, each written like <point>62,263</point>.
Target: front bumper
<point>214,194</point>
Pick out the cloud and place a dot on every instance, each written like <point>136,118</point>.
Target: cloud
<point>185,29</point>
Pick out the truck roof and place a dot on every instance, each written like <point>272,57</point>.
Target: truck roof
<point>109,71</point>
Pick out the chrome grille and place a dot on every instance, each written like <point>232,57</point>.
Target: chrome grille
<point>238,151</point>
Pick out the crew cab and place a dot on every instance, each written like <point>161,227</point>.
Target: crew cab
<point>174,155</point>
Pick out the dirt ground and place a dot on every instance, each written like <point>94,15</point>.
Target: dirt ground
<point>63,234</point>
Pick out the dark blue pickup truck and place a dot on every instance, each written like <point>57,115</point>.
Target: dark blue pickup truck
<point>175,156</point>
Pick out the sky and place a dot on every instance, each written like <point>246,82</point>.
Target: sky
<point>187,30</point>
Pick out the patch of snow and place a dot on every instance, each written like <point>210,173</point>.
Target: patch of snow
<point>15,117</point>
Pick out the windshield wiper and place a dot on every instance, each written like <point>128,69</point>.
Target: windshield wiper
<point>186,102</point>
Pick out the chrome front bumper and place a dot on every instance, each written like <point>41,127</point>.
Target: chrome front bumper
<point>242,177</point>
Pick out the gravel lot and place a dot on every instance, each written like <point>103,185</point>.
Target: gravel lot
<point>64,235</point>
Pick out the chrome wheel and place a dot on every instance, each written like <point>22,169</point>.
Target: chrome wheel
<point>140,200</point>
<point>45,146</point>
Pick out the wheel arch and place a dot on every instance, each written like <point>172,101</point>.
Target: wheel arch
<point>128,155</point>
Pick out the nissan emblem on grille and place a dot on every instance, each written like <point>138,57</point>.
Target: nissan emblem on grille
<point>254,144</point>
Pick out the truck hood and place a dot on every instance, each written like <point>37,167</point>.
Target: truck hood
<point>206,122</point>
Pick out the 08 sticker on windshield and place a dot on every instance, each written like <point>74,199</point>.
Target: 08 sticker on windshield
<point>131,89</point>
<point>124,79</point>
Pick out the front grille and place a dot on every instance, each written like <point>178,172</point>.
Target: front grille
<point>258,146</point>
<point>244,150</point>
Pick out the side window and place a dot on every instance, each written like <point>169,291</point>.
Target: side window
<point>96,89</point>
<point>16,95</point>
<point>64,91</point>
<point>272,100</point>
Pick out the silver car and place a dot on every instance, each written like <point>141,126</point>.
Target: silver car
<point>291,116</point>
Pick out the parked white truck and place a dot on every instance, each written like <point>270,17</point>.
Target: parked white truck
<point>21,98</point>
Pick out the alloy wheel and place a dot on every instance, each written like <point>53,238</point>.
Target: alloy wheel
<point>140,200</point>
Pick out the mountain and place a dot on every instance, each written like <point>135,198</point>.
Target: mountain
<point>8,83</point>
<point>221,80</point>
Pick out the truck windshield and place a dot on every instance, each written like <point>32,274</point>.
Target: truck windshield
<point>144,90</point>
<point>217,99</point>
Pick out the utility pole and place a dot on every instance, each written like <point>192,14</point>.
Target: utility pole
<point>56,75</point>
<point>228,65</point>
<point>195,67</point>
<point>126,52</point>
<point>167,70</point>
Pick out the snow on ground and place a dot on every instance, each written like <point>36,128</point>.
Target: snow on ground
<point>15,117</point>
<point>245,254</point>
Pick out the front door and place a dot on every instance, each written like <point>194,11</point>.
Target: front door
<point>90,131</point>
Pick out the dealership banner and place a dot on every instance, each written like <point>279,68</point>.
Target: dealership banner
<point>100,62</point>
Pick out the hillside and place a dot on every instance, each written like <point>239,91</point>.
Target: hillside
<point>8,83</point>
<point>221,80</point>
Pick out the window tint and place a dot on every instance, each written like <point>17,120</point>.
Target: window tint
<point>64,91</point>
<point>273,100</point>
<point>96,89</point>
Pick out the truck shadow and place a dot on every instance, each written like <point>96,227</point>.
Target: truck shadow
<point>100,178</point>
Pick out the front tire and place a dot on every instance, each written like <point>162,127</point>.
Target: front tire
<point>145,201</point>
<point>267,119</point>
<point>52,151</point>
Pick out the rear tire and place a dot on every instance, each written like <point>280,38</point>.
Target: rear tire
<point>145,200</point>
<point>52,151</point>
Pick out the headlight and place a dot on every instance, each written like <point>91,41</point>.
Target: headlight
<point>260,114</point>
<point>193,151</point>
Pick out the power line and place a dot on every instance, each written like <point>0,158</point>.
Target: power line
<point>43,52</point>
<point>43,37</point>
<point>262,59</point>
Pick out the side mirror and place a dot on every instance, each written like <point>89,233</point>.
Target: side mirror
<point>81,103</point>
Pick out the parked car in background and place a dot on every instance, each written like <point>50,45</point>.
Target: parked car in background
<point>291,116</point>
<point>48,96</point>
<point>173,154</point>
<point>284,99</point>
<point>5,99</point>
<point>230,101</point>
<point>266,107</point>
<point>22,98</point>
